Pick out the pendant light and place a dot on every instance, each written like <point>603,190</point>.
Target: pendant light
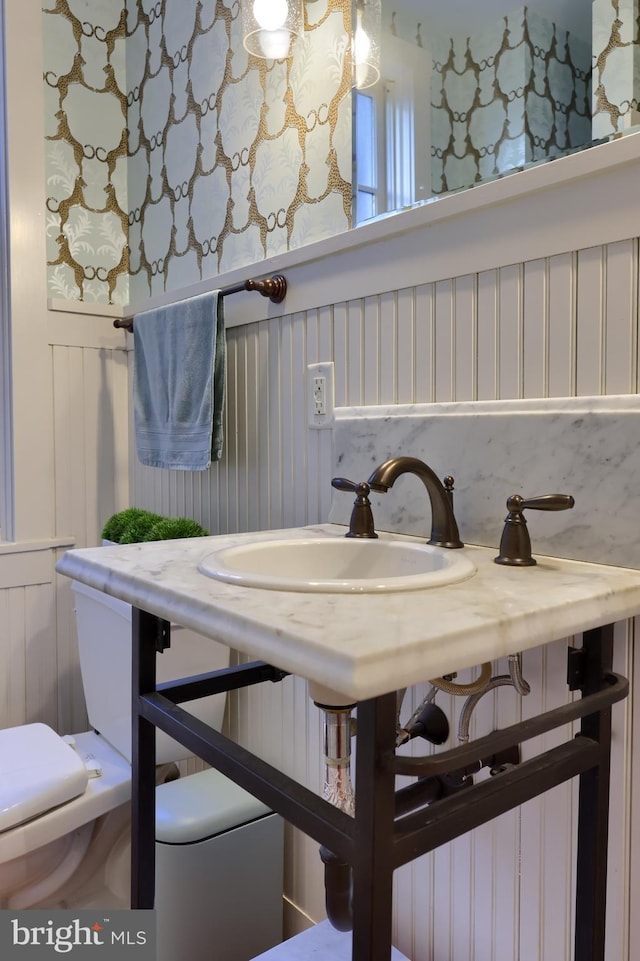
<point>269,27</point>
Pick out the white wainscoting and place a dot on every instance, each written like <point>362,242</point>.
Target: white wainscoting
<point>39,672</point>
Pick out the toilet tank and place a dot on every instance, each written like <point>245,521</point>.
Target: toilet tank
<point>104,643</point>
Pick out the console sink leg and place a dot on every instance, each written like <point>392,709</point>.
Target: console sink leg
<point>374,830</point>
<point>593,810</point>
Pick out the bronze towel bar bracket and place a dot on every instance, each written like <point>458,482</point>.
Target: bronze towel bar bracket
<point>275,288</point>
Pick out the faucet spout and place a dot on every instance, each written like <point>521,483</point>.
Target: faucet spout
<point>444,529</point>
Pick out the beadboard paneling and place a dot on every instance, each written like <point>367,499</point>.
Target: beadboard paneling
<point>39,671</point>
<point>28,665</point>
<point>91,430</point>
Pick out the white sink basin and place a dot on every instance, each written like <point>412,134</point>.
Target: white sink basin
<point>327,564</point>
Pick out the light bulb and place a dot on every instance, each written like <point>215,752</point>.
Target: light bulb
<point>362,48</point>
<point>365,48</point>
<point>362,45</point>
<point>271,14</point>
<point>274,43</point>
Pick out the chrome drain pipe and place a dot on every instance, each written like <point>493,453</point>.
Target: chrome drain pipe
<point>338,790</point>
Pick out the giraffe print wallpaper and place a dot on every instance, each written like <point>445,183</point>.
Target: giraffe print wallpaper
<point>516,93</point>
<point>86,150</point>
<point>173,156</point>
<point>616,66</point>
<point>525,89</point>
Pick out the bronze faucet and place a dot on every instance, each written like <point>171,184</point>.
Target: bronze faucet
<point>444,529</point>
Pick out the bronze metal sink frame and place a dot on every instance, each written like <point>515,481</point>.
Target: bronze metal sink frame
<point>379,839</point>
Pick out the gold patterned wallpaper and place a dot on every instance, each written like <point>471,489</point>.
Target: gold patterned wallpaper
<point>616,66</point>
<point>517,92</point>
<point>173,156</point>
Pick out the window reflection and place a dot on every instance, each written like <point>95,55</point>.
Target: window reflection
<point>366,151</point>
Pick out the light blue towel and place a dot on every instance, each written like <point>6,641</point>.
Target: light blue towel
<point>179,383</point>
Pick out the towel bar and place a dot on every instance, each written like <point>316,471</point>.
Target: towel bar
<point>274,288</point>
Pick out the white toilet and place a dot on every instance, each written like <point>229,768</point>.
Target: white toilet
<point>64,802</point>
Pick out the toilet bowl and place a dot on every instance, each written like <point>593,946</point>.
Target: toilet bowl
<point>64,801</point>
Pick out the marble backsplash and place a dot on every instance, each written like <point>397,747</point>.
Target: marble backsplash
<point>588,447</point>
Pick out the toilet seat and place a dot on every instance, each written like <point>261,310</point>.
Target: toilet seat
<point>98,795</point>
<point>38,771</point>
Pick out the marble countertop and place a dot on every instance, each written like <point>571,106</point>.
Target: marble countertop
<point>363,645</point>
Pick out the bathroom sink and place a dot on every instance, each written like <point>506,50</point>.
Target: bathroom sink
<point>343,565</point>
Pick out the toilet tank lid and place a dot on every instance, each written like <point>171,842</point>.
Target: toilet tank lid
<point>201,805</point>
<point>38,771</point>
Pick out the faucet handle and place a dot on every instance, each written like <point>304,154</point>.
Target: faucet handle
<point>546,502</point>
<point>342,484</point>
<point>515,544</point>
<point>361,523</point>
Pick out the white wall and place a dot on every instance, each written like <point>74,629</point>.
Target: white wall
<point>70,424</point>
<point>523,294</point>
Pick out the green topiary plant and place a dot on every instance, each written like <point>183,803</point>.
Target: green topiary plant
<point>168,528</point>
<point>138,529</point>
<point>133,525</point>
<point>118,524</point>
